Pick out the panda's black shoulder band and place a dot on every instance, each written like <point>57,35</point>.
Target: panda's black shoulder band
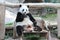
<point>31,17</point>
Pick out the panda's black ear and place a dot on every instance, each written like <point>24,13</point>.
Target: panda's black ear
<point>28,6</point>
<point>20,5</point>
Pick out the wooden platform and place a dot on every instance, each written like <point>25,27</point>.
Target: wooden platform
<point>41,34</point>
<point>50,37</point>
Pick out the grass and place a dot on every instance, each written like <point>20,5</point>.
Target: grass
<point>48,16</point>
<point>51,16</point>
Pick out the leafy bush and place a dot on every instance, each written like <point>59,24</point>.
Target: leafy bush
<point>9,23</point>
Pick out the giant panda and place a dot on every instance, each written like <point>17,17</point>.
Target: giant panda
<point>23,18</point>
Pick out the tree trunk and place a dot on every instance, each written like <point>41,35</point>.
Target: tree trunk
<point>2,22</point>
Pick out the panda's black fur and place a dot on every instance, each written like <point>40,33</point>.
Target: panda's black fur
<point>20,17</point>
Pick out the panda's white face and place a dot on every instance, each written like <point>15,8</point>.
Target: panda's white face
<point>24,9</point>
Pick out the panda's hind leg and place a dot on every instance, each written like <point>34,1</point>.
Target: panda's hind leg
<point>19,30</point>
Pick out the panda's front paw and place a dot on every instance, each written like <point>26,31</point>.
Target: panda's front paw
<point>37,29</point>
<point>34,23</point>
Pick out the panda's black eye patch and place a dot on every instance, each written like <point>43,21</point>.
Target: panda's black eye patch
<point>23,10</point>
<point>26,9</point>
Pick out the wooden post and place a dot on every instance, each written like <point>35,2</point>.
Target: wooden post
<point>58,20</point>
<point>2,21</point>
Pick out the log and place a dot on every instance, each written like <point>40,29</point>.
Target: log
<point>15,5</point>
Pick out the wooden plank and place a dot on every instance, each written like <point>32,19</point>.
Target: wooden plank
<point>36,32</point>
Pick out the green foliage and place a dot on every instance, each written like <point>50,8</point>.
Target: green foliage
<point>8,33</point>
<point>30,36</point>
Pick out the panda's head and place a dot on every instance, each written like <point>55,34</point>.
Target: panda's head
<point>24,9</point>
